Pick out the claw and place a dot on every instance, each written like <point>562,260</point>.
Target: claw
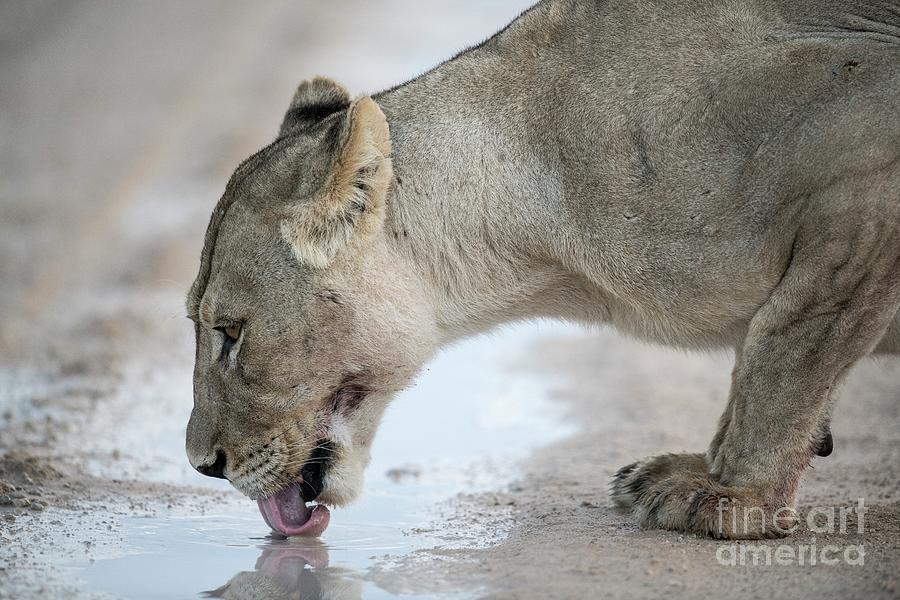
<point>826,444</point>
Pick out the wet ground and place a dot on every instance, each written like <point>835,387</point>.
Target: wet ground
<point>119,125</point>
<point>154,537</point>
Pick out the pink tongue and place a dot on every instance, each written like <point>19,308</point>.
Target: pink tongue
<point>287,514</point>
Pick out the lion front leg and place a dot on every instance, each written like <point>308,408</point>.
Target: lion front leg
<point>837,298</point>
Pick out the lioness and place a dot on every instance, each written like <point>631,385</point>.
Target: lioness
<point>703,174</point>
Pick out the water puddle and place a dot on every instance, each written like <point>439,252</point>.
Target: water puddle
<point>472,417</point>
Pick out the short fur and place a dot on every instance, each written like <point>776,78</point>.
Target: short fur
<point>703,174</point>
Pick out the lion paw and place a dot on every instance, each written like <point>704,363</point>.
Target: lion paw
<point>675,491</point>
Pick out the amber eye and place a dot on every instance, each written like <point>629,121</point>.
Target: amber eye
<point>231,334</point>
<point>233,331</point>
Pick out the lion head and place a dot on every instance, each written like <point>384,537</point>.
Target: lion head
<point>307,319</point>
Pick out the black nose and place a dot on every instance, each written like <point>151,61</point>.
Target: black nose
<point>217,469</point>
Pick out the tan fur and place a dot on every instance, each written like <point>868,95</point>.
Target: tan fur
<point>707,175</point>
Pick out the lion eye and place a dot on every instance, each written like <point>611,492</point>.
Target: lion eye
<point>231,333</point>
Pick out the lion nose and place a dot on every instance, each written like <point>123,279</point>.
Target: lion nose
<point>216,469</point>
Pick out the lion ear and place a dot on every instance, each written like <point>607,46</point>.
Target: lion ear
<point>313,101</point>
<point>353,199</point>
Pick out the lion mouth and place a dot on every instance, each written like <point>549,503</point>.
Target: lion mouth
<point>292,511</point>
<point>289,515</point>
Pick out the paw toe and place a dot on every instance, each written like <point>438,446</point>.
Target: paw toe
<point>628,485</point>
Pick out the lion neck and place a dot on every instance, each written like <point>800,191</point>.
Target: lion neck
<point>476,214</point>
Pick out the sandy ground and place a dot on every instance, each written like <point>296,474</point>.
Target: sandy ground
<point>631,400</point>
<point>119,124</point>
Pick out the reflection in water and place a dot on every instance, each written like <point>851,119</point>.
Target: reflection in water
<point>296,569</point>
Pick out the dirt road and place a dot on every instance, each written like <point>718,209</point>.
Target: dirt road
<point>119,125</point>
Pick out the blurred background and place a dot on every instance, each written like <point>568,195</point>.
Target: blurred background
<point>120,124</point>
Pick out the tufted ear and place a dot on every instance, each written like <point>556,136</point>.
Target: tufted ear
<point>313,101</point>
<point>353,199</point>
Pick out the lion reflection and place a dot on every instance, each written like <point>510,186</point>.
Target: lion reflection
<point>290,570</point>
